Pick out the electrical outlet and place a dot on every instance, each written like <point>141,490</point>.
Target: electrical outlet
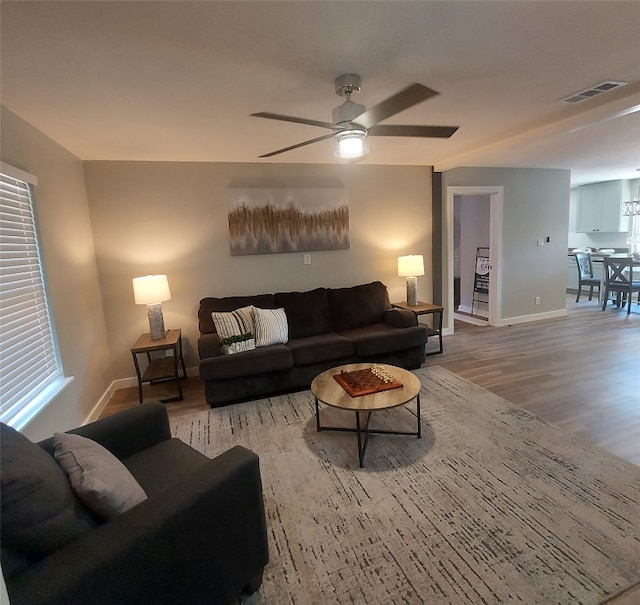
<point>540,243</point>
<point>307,259</point>
<point>537,300</point>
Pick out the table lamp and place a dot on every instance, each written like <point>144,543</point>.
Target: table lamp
<point>152,290</point>
<point>410,267</point>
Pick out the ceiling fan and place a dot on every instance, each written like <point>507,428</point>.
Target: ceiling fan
<point>353,123</point>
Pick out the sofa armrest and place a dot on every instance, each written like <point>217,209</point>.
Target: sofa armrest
<point>400,318</point>
<point>127,432</point>
<point>209,346</point>
<point>201,541</point>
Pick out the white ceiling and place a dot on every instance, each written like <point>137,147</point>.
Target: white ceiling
<point>177,80</point>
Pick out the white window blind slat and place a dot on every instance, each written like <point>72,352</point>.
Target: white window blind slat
<point>29,361</point>
<point>15,325</point>
<point>18,384</point>
<point>23,393</point>
<point>17,349</point>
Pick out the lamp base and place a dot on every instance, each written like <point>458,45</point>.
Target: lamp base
<point>156,321</point>
<point>412,291</point>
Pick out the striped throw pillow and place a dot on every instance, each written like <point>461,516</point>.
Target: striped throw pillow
<point>271,326</point>
<point>234,323</point>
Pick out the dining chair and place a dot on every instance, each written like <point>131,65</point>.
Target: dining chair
<point>585,274</point>
<point>619,280</point>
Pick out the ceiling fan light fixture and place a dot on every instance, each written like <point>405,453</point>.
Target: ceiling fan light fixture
<point>353,124</point>
<point>350,143</point>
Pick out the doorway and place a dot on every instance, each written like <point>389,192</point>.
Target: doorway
<point>474,224</point>
<point>471,237</point>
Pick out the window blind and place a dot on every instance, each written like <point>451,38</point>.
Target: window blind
<point>29,361</point>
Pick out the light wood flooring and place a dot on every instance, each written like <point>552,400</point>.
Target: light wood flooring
<point>581,373</point>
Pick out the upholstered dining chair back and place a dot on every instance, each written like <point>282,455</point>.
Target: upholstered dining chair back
<point>585,274</point>
<point>619,279</point>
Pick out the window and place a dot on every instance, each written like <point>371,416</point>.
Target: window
<point>29,361</point>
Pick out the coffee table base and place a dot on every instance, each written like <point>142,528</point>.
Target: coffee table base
<point>364,432</point>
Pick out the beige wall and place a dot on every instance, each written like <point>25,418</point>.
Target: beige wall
<point>151,217</point>
<point>536,205</point>
<point>70,265</point>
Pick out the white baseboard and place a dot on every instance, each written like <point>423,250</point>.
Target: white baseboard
<point>470,320</point>
<point>478,321</point>
<point>121,383</point>
<point>535,317</point>
<point>102,403</point>
<point>479,312</point>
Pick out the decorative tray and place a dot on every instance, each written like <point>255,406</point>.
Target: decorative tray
<point>366,382</point>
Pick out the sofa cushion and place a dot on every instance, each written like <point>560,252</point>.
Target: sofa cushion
<point>150,465</point>
<point>247,363</point>
<point>101,481</point>
<point>308,313</point>
<point>358,306</point>
<point>379,339</point>
<point>400,318</point>
<point>323,347</point>
<point>271,326</point>
<point>229,303</point>
<point>40,512</point>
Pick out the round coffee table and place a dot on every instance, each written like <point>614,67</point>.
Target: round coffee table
<point>326,390</point>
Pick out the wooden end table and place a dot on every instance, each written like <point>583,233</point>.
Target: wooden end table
<point>423,308</point>
<point>163,368</point>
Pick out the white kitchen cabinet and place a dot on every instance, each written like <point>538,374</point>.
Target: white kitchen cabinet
<point>600,208</point>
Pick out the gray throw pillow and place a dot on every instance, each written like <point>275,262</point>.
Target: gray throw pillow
<point>101,481</point>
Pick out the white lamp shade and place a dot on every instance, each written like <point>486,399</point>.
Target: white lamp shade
<point>151,289</point>
<point>350,144</point>
<point>410,266</point>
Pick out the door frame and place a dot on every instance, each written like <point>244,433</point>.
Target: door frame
<point>496,196</point>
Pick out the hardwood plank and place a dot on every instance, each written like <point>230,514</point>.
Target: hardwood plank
<point>581,373</point>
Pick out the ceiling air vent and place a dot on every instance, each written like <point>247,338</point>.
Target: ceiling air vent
<point>594,91</point>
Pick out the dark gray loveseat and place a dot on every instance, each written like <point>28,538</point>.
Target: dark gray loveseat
<point>200,537</point>
<point>327,327</point>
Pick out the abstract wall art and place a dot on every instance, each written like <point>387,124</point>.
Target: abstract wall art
<point>277,220</point>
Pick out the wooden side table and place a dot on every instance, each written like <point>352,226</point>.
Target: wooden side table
<point>160,369</point>
<point>423,308</point>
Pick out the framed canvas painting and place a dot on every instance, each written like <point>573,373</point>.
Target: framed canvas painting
<point>273,221</point>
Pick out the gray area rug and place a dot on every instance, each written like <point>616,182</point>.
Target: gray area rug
<point>492,505</point>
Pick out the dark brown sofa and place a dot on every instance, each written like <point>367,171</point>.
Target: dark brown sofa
<point>327,327</point>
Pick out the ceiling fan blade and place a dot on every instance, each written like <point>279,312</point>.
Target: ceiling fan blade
<point>393,130</point>
<point>410,96</point>
<point>283,118</point>
<point>322,138</point>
